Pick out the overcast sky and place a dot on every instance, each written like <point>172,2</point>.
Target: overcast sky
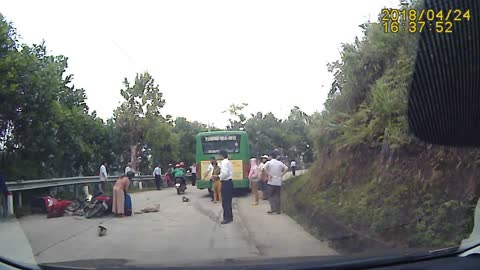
<point>204,55</point>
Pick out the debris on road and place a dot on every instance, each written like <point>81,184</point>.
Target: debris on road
<point>156,208</point>
<point>185,199</point>
<point>102,231</point>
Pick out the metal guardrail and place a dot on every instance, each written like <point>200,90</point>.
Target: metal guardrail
<point>55,182</point>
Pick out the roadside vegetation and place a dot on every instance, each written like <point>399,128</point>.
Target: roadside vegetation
<point>371,175</point>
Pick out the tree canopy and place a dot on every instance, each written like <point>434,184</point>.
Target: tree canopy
<point>47,129</point>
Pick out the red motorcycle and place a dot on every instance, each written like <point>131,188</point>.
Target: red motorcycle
<point>55,208</point>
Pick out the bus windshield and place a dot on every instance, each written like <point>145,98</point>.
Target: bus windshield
<point>213,144</point>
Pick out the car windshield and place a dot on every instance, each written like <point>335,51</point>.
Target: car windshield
<point>194,132</point>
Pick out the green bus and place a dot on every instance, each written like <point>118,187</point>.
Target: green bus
<point>209,144</point>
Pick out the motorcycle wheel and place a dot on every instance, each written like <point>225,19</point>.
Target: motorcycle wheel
<point>178,191</point>
<point>94,211</point>
<point>74,206</point>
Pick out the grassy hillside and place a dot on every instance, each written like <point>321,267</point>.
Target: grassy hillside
<point>414,196</point>
<point>371,177</point>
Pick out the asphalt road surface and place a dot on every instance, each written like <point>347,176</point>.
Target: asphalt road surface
<point>181,232</point>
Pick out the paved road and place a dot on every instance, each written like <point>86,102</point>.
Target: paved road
<point>179,232</point>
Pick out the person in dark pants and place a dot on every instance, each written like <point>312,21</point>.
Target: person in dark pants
<point>263,178</point>
<point>157,173</point>
<point>226,172</point>
<point>275,170</point>
<point>193,170</point>
<point>293,166</point>
<point>103,175</point>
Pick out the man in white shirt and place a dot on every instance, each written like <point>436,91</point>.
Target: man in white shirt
<point>226,172</point>
<point>193,170</point>
<point>293,166</point>
<point>103,177</point>
<point>128,168</point>
<point>129,172</point>
<point>275,170</point>
<point>157,173</point>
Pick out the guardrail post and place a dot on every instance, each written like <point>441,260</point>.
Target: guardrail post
<point>20,203</point>
<point>140,185</point>
<point>85,189</point>
<point>10,203</point>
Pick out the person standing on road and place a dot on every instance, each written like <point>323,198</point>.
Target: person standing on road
<point>275,169</point>
<point>263,177</point>
<point>193,170</point>
<point>293,166</point>
<point>128,168</point>
<point>216,183</point>
<point>103,177</point>
<point>129,171</point>
<point>171,176</point>
<point>157,173</point>
<point>226,173</point>
<point>208,175</point>
<point>119,190</point>
<point>253,177</point>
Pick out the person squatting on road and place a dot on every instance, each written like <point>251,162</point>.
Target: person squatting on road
<point>157,173</point>
<point>119,190</point>
<point>275,170</point>
<point>253,176</point>
<point>226,172</point>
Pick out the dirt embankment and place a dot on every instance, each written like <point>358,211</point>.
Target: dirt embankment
<point>360,198</point>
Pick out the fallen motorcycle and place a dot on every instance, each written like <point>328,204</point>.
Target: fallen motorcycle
<point>100,206</point>
<point>83,205</point>
<point>54,207</point>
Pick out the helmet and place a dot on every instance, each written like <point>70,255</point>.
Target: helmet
<point>170,165</point>
<point>181,164</point>
<point>177,165</point>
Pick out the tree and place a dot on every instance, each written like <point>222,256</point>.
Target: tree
<point>187,132</point>
<point>43,117</point>
<point>237,118</point>
<point>163,143</point>
<point>265,133</point>
<point>143,100</point>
